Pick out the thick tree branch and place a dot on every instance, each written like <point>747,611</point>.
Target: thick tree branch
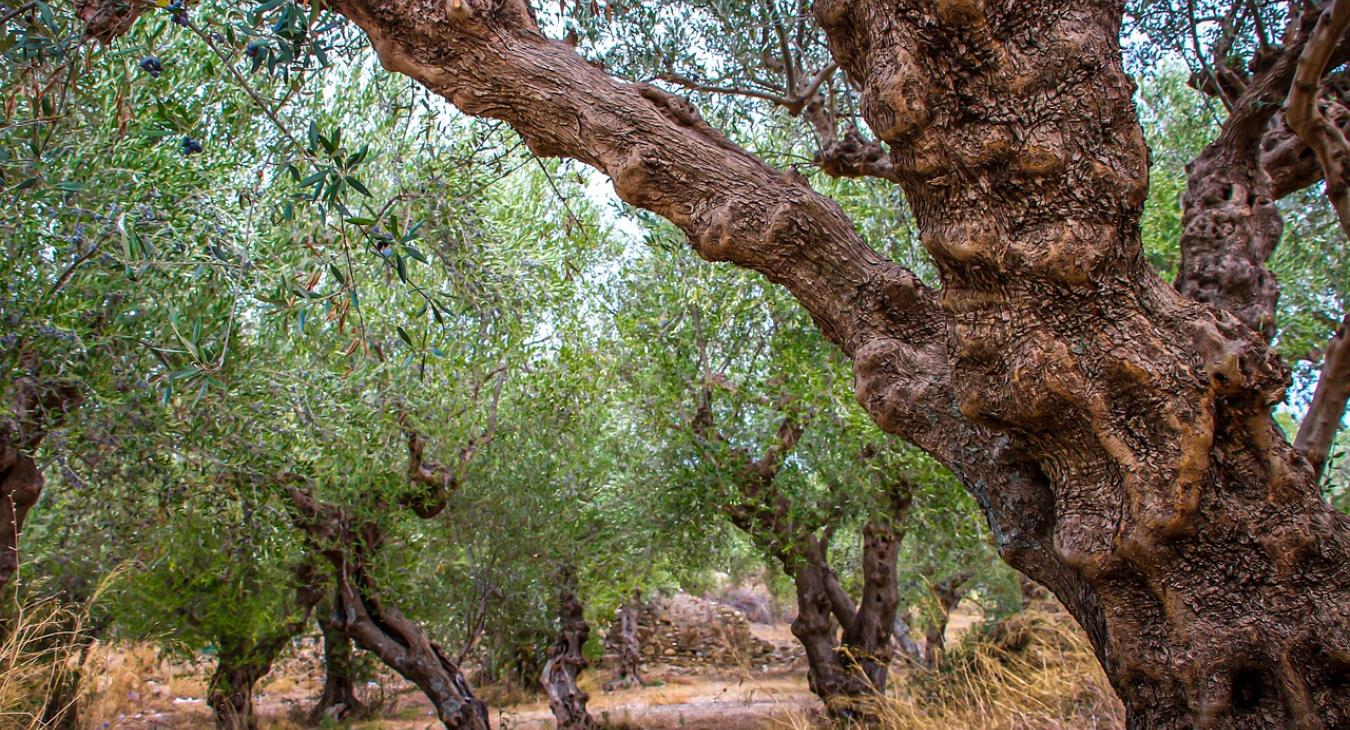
<point>1326,139</point>
<point>490,60</point>
<point>1287,159</point>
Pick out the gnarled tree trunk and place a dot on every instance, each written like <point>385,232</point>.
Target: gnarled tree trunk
<point>1181,529</point>
<point>816,629</point>
<point>867,633</point>
<point>628,650</point>
<point>402,645</point>
<point>848,646</point>
<point>242,662</point>
<point>380,628</point>
<point>338,701</point>
<point>842,668</point>
<point>565,661</point>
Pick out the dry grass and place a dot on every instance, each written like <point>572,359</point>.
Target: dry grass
<point>40,651</point>
<point>116,682</point>
<point>1035,671</point>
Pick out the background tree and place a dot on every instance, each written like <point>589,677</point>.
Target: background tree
<point>752,411</point>
<point>1118,435</point>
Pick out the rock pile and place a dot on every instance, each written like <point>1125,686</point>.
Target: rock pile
<point>684,631</point>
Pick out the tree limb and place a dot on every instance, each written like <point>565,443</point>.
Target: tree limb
<point>1326,139</point>
<point>1317,433</point>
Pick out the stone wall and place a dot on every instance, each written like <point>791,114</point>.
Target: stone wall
<point>684,631</point>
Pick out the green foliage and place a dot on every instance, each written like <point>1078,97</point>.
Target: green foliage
<point>337,247</point>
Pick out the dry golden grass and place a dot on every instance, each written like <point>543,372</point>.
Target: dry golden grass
<point>115,681</point>
<point>41,648</point>
<point>1035,671</point>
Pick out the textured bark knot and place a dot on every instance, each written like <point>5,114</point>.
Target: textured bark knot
<point>461,10</point>
<point>960,12</point>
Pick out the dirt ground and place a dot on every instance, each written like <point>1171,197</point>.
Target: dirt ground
<point>140,690</point>
<point>135,688</point>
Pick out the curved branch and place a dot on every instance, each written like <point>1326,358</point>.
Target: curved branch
<point>1326,139</point>
<point>1323,419</point>
<point>1287,159</point>
<point>489,59</point>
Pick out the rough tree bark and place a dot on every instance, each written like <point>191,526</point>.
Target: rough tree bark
<point>1178,505</point>
<point>1263,153</point>
<point>338,701</point>
<point>565,660</point>
<point>242,662</point>
<point>844,667</point>
<point>37,406</point>
<point>1117,434</point>
<point>628,651</point>
<point>1230,223</point>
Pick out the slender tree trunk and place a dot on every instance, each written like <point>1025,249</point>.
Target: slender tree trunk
<point>338,700</point>
<point>946,595</point>
<point>628,649</point>
<point>566,661</point>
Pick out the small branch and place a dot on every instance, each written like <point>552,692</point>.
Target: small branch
<point>693,85</point>
<point>818,81</point>
<point>66,275</point>
<point>478,621</point>
<point>789,68</point>
<point>17,11</point>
